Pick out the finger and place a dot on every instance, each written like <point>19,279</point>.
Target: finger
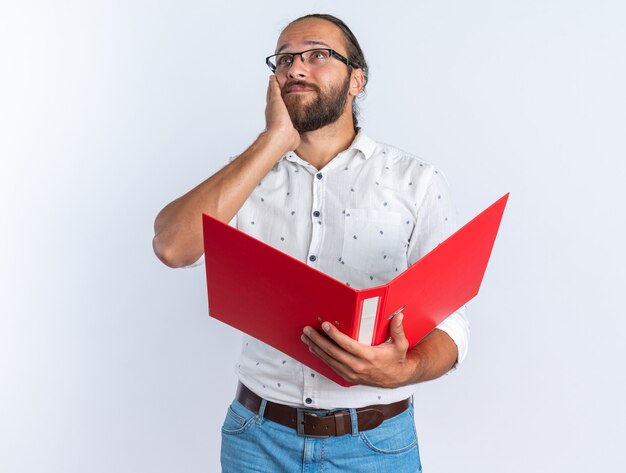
<point>275,86</point>
<point>340,368</point>
<point>316,349</point>
<point>269,87</point>
<point>329,346</point>
<point>347,343</point>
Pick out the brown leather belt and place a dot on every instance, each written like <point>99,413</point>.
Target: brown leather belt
<point>317,422</point>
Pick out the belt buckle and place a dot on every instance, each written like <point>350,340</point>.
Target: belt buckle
<point>300,413</point>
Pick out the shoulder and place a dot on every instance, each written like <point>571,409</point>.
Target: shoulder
<point>405,163</point>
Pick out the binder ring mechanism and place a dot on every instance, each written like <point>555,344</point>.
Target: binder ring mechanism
<point>392,316</point>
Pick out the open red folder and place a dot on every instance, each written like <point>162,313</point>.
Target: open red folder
<point>271,296</point>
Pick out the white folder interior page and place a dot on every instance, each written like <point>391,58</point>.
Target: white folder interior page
<point>368,318</point>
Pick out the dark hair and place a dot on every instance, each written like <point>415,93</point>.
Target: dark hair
<point>354,52</point>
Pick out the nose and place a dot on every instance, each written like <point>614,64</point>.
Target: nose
<point>297,68</point>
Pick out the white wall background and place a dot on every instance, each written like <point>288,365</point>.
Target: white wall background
<point>110,109</point>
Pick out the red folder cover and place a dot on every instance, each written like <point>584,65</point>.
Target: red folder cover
<point>271,296</point>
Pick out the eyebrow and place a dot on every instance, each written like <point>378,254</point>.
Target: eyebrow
<point>308,43</point>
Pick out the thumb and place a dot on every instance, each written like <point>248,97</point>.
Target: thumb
<point>397,331</point>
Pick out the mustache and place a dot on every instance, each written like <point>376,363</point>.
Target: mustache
<point>301,83</point>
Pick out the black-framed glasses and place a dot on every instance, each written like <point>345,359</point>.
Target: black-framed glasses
<point>313,57</point>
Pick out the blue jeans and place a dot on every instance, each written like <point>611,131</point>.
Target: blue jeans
<point>251,443</point>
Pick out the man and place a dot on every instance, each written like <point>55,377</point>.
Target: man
<point>315,186</point>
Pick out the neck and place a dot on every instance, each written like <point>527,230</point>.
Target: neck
<point>320,146</point>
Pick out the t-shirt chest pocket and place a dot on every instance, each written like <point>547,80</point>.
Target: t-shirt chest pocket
<point>371,240</point>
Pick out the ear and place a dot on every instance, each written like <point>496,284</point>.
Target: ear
<point>357,81</point>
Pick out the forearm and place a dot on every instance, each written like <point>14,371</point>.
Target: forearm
<point>431,358</point>
<point>178,227</point>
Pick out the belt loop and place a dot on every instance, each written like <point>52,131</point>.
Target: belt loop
<point>261,413</point>
<point>355,422</point>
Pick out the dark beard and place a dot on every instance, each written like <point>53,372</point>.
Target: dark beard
<point>324,110</point>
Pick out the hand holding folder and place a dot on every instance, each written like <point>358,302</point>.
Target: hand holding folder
<point>266,293</point>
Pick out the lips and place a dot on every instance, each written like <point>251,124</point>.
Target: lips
<point>298,88</point>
